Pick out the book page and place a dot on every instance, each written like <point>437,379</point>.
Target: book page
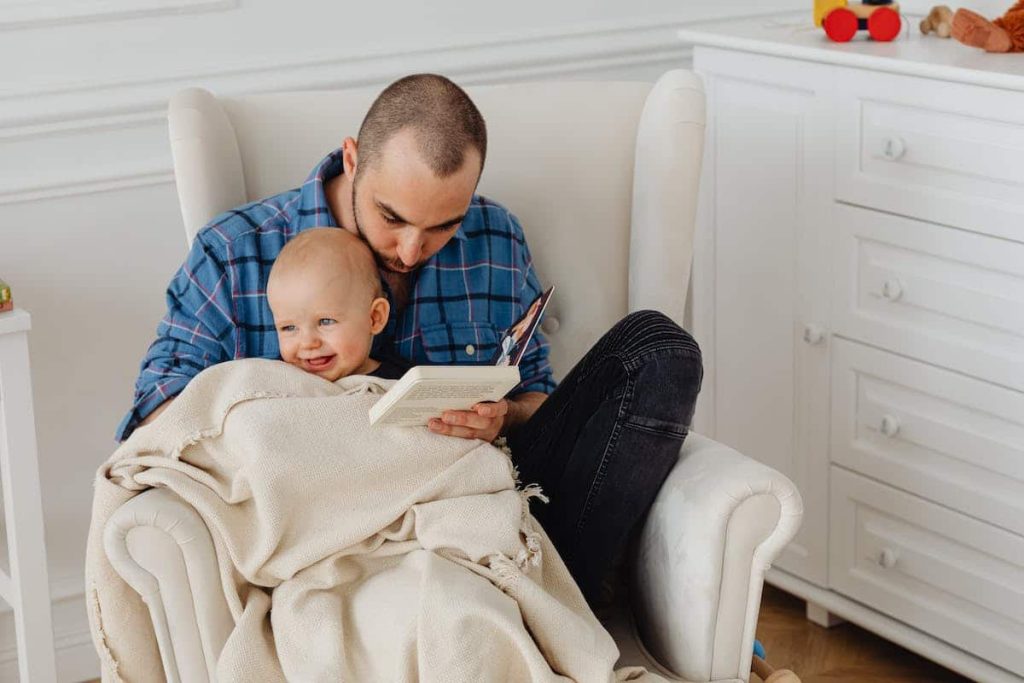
<point>432,391</point>
<point>427,399</point>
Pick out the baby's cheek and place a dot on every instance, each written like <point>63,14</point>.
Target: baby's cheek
<point>287,350</point>
<point>356,351</point>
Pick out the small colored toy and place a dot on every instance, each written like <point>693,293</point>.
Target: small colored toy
<point>939,21</point>
<point>6,302</point>
<point>767,673</point>
<point>841,19</point>
<point>1005,34</point>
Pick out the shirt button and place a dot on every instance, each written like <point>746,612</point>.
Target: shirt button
<point>470,349</point>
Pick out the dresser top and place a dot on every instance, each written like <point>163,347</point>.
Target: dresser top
<point>794,35</point>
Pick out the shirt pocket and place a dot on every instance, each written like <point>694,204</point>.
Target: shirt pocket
<point>460,343</point>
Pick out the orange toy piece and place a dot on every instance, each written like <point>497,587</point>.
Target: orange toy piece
<point>1005,34</point>
<point>769,675</point>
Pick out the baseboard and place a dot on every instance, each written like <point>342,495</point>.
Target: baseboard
<point>76,658</point>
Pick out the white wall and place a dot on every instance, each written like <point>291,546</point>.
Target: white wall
<point>89,224</point>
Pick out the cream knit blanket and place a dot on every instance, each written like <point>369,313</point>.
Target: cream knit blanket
<point>346,552</point>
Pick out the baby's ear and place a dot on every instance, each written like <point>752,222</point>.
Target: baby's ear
<point>379,311</point>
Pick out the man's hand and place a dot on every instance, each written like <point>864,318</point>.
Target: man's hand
<point>488,421</point>
<point>484,421</point>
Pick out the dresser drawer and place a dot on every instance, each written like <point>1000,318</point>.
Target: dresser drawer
<point>941,151</point>
<point>939,294</point>
<point>942,572</point>
<point>949,438</point>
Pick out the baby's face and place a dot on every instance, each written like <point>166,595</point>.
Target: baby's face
<point>323,326</point>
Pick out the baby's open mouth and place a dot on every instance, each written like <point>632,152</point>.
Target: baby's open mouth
<point>318,363</point>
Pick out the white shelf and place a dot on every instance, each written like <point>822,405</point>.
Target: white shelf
<point>15,321</point>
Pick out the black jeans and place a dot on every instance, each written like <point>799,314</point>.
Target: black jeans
<point>603,443</point>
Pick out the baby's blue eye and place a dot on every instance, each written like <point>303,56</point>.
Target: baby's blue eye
<point>287,328</point>
<point>327,321</point>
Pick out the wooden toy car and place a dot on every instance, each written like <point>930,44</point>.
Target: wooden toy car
<point>841,19</point>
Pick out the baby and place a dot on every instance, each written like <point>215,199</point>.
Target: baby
<point>325,293</point>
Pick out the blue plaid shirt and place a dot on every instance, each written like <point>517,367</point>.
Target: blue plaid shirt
<point>464,297</point>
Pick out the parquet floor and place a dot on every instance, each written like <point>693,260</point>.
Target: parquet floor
<point>841,654</point>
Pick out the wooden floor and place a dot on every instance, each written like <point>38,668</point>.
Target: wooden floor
<point>841,654</point>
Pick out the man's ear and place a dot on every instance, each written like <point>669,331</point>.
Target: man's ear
<point>380,309</point>
<point>350,156</point>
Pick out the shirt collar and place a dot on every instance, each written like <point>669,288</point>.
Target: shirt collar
<point>314,211</point>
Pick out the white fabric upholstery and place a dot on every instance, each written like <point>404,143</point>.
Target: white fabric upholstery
<point>604,179</point>
<point>561,156</point>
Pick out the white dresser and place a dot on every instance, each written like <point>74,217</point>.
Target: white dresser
<point>859,296</point>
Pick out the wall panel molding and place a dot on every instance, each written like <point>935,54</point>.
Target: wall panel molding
<point>33,14</point>
<point>105,137</point>
<point>75,157</point>
<point>524,55</point>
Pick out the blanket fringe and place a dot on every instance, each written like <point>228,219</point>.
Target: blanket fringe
<point>506,573</point>
<point>533,491</point>
<point>110,666</point>
<point>530,556</point>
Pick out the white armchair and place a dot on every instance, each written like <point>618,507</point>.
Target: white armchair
<point>604,177</point>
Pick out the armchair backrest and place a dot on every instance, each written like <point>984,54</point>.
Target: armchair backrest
<point>603,176</point>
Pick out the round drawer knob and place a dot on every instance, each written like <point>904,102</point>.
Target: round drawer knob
<point>550,324</point>
<point>892,289</point>
<point>890,425</point>
<point>814,334</point>
<point>887,558</point>
<point>893,148</point>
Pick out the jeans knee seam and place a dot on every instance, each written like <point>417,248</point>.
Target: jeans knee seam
<point>690,353</point>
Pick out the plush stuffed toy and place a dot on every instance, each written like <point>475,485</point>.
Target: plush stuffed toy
<point>939,21</point>
<point>1005,34</point>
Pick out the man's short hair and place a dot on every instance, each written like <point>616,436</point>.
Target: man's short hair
<point>444,121</point>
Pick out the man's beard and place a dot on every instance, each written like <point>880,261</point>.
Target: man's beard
<point>392,266</point>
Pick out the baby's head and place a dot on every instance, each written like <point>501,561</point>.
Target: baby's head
<point>325,293</point>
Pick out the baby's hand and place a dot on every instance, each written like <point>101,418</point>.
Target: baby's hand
<point>484,421</point>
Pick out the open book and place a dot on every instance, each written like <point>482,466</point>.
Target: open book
<point>426,391</point>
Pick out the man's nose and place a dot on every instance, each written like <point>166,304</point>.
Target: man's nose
<point>409,249</point>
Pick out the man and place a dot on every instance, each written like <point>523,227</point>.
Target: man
<point>457,271</point>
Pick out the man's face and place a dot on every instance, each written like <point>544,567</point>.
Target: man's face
<point>405,212</point>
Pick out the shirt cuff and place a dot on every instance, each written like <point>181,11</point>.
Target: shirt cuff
<point>543,383</point>
<point>148,401</point>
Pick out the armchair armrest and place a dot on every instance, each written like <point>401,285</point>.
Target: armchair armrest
<point>161,547</point>
<point>712,533</point>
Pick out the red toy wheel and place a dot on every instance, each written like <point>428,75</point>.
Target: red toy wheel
<point>840,25</point>
<point>884,24</point>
